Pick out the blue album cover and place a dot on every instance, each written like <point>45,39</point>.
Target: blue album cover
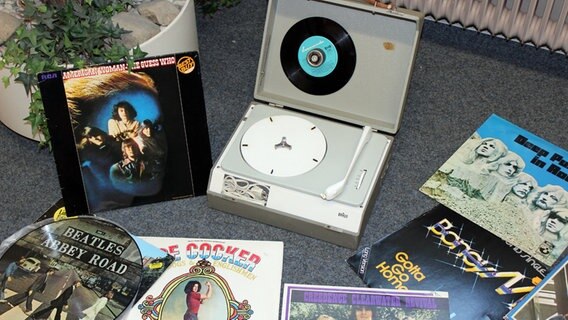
<point>442,251</point>
<point>124,136</point>
<point>512,183</point>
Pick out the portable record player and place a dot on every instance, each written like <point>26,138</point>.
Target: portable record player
<point>310,151</point>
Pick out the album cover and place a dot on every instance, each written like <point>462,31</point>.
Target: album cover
<point>442,251</point>
<point>123,137</point>
<point>154,260</point>
<point>56,211</point>
<point>512,183</point>
<point>77,268</point>
<point>549,300</point>
<point>312,302</point>
<point>215,279</point>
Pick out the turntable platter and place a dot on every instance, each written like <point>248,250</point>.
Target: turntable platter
<point>283,146</point>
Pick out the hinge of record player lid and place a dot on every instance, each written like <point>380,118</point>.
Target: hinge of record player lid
<point>272,104</point>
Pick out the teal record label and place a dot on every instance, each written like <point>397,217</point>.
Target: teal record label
<point>317,56</point>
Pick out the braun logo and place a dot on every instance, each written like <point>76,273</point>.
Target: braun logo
<point>342,214</point>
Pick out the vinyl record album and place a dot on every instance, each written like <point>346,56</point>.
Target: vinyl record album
<point>283,146</point>
<point>318,56</point>
<point>80,268</point>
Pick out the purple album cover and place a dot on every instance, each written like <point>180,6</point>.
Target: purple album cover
<point>313,302</point>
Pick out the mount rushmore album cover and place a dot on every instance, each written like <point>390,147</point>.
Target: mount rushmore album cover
<point>512,183</point>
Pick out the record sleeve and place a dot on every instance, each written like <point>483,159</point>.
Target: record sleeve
<point>512,183</point>
<point>128,136</point>
<point>215,279</point>
<point>441,250</point>
<point>548,300</point>
<point>82,267</point>
<point>312,302</point>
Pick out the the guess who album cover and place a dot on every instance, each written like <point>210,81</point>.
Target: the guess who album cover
<point>512,183</point>
<point>78,268</point>
<point>215,280</point>
<point>124,137</point>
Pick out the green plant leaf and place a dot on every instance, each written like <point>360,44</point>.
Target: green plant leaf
<point>66,42</point>
<point>14,71</point>
<point>42,8</point>
<point>138,53</point>
<point>6,81</point>
<point>27,80</point>
<point>30,9</point>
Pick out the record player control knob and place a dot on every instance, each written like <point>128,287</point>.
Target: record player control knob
<point>315,58</point>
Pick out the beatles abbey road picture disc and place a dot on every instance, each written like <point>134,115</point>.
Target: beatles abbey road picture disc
<point>128,136</point>
<point>77,268</point>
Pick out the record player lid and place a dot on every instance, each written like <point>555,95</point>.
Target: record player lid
<point>384,44</point>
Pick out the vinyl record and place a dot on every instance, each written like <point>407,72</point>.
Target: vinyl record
<point>283,146</point>
<point>78,262</point>
<point>318,56</point>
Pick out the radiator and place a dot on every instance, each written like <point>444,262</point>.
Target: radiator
<point>540,23</point>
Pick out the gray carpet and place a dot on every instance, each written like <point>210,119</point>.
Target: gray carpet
<point>460,78</point>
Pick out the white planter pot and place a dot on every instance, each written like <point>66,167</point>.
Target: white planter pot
<point>14,105</point>
<point>178,36</point>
